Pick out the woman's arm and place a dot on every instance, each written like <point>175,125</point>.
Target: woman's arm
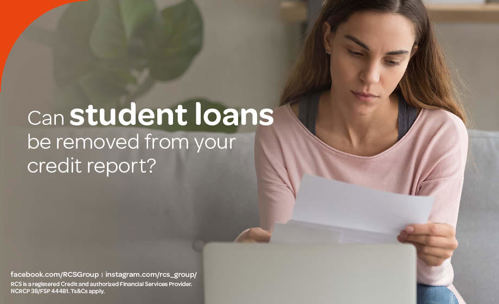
<point>275,195</point>
<point>443,180</point>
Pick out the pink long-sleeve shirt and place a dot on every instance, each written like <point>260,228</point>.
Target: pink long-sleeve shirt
<point>428,160</point>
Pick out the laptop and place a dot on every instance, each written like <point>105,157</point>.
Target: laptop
<point>242,273</point>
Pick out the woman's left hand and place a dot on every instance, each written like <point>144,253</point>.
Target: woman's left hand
<point>435,242</point>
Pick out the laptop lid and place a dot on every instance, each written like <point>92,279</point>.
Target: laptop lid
<point>238,273</point>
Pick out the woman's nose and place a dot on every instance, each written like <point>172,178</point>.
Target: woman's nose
<point>370,73</point>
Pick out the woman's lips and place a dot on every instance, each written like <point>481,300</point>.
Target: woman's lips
<point>363,96</point>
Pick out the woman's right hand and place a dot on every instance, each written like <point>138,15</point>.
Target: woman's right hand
<point>254,235</point>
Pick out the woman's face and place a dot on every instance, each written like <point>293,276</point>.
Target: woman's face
<point>369,55</point>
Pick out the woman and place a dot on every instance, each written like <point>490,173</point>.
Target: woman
<point>370,102</point>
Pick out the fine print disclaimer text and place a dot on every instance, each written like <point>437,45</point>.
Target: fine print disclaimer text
<point>94,283</point>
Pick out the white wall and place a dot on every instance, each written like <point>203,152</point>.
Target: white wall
<point>472,51</point>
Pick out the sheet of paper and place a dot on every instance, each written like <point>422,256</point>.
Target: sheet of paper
<point>356,214</point>
<point>304,233</point>
<point>296,232</point>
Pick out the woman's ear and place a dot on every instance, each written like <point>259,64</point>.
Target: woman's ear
<point>328,37</point>
<point>414,50</point>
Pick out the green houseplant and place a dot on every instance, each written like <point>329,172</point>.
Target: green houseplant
<point>110,52</point>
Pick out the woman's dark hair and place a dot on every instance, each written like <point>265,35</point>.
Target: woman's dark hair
<point>426,83</point>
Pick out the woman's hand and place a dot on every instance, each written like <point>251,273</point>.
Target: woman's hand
<point>435,242</point>
<point>253,235</point>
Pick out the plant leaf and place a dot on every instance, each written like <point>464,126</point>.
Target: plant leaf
<point>142,88</point>
<point>105,87</point>
<point>135,14</point>
<point>108,39</point>
<point>178,38</point>
<point>76,23</point>
<point>72,55</point>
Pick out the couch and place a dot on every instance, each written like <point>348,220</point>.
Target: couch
<point>160,221</point>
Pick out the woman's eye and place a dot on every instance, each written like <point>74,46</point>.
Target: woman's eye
<point>355,53</point>
<point>391,62</point>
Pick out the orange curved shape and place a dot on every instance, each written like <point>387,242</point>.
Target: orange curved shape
<point>15,17</point>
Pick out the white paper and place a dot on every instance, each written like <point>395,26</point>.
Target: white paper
<point>353,213</point>
<point>304,233</point>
